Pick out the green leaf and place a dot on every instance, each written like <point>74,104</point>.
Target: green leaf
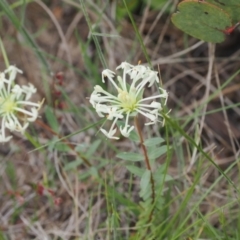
<point>94,172</point>
<point>135,170</point>
<point>73,165</point>
<point>93,148</point>
<point>134,136</point>
<point>159,174</point>
<point>159,178</point>
<point>134,157</point>
<point>156,152</point>
<point>231,7</point>
<point>121,9</point>
<point>153,141</point>
<point>55,144</point>
<point>61,147</point>
<point>202,20</point>
<point>145,187</point>
<point>81,147</point>
<point>10,171</point>
<point>122,199</point>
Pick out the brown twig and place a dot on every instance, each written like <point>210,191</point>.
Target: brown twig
<point>147,161</point>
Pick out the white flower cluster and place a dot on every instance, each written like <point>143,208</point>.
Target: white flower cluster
<point>16,111</point>
<point>129,100</point>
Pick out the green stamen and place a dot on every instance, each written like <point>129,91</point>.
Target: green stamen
<point>128,102</point>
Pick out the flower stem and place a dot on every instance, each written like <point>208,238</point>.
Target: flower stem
<point>147,162</point>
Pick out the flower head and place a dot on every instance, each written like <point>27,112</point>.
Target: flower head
<point>16,111</point>
<point>129,100</point>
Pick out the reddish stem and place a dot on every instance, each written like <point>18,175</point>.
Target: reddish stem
<point>231,29</point>
<point>147,162</point>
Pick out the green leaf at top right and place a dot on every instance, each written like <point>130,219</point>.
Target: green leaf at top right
<point>203,20</point>
<point>231,7</point>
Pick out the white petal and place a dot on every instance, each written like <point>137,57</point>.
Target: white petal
<point>107,73</point>
<point>17,90</point>
<point>4,139</point>
<point>125,131</point>
<point>114,113</point>
<point>12,70</point>
<point>152,78</point>
<point>10,123</point>
<point>125,66</point>
<point>98,88</point>
<point>23,128</point>
<point>156,105</point>
<point>141,72</point>
<point>110,133</point>
<point>102,109</point>
<point>29,90</point>
<point>33,115</point>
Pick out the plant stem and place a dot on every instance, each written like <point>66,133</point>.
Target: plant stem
<point>147,162</point>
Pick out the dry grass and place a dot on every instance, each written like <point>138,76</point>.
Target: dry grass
<point>189,70</point>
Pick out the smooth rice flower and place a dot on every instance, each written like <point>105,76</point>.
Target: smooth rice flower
<point>129,100</point>
<point>16,111</point>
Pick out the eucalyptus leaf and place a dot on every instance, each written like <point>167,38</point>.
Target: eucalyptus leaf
<point>202,20</point>
<point>231,7</point>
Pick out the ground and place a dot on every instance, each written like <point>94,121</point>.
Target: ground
<point>47,189</point>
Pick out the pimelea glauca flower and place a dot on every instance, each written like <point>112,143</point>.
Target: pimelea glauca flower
<point>16,111</point>
<point>129,100</point>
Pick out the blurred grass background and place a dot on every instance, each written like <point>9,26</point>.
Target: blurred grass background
<point>74,41</point>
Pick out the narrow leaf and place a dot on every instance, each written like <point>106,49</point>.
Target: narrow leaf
<point>153,141</point>
<point>51,118</point>
<point>134,136</point>
<point>134,157</point>
<point>157,151</point>
<point>135,170</point>
<point>73,165</point>
<point>93,148</point>
<point>145,189</point>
